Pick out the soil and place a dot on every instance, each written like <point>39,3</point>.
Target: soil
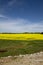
<point>28,59</point>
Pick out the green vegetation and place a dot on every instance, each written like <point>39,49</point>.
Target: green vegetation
<point>16,47</point>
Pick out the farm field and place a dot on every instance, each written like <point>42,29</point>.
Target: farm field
<point>21,36</point>
<point>21,44</point>
<point>15,44</point>
<point>16,47</point>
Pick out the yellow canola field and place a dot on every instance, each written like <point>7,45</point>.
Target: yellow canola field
<point>21,36</point>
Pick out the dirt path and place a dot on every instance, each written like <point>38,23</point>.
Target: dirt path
<point>32,59</point>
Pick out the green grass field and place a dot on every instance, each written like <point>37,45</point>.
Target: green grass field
<point>16,47</point>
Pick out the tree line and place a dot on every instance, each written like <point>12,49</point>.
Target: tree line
<point>23,33</point>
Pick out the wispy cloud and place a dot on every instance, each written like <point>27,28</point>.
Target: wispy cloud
<point>10,3</point>
<point>20,25</point>
<point>2,16</point>
<point>15,2</point>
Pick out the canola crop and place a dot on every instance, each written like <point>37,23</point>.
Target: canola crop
<point>21,36</point>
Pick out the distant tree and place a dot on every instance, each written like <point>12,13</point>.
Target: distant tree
<point>41,32</point>
<point>26,32</point>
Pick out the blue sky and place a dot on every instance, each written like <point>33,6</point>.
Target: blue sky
<point>21,15</point>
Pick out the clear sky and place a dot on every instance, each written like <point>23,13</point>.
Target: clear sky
<point>21,15</point>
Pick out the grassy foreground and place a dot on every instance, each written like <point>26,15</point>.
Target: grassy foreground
<point>16,47</point>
